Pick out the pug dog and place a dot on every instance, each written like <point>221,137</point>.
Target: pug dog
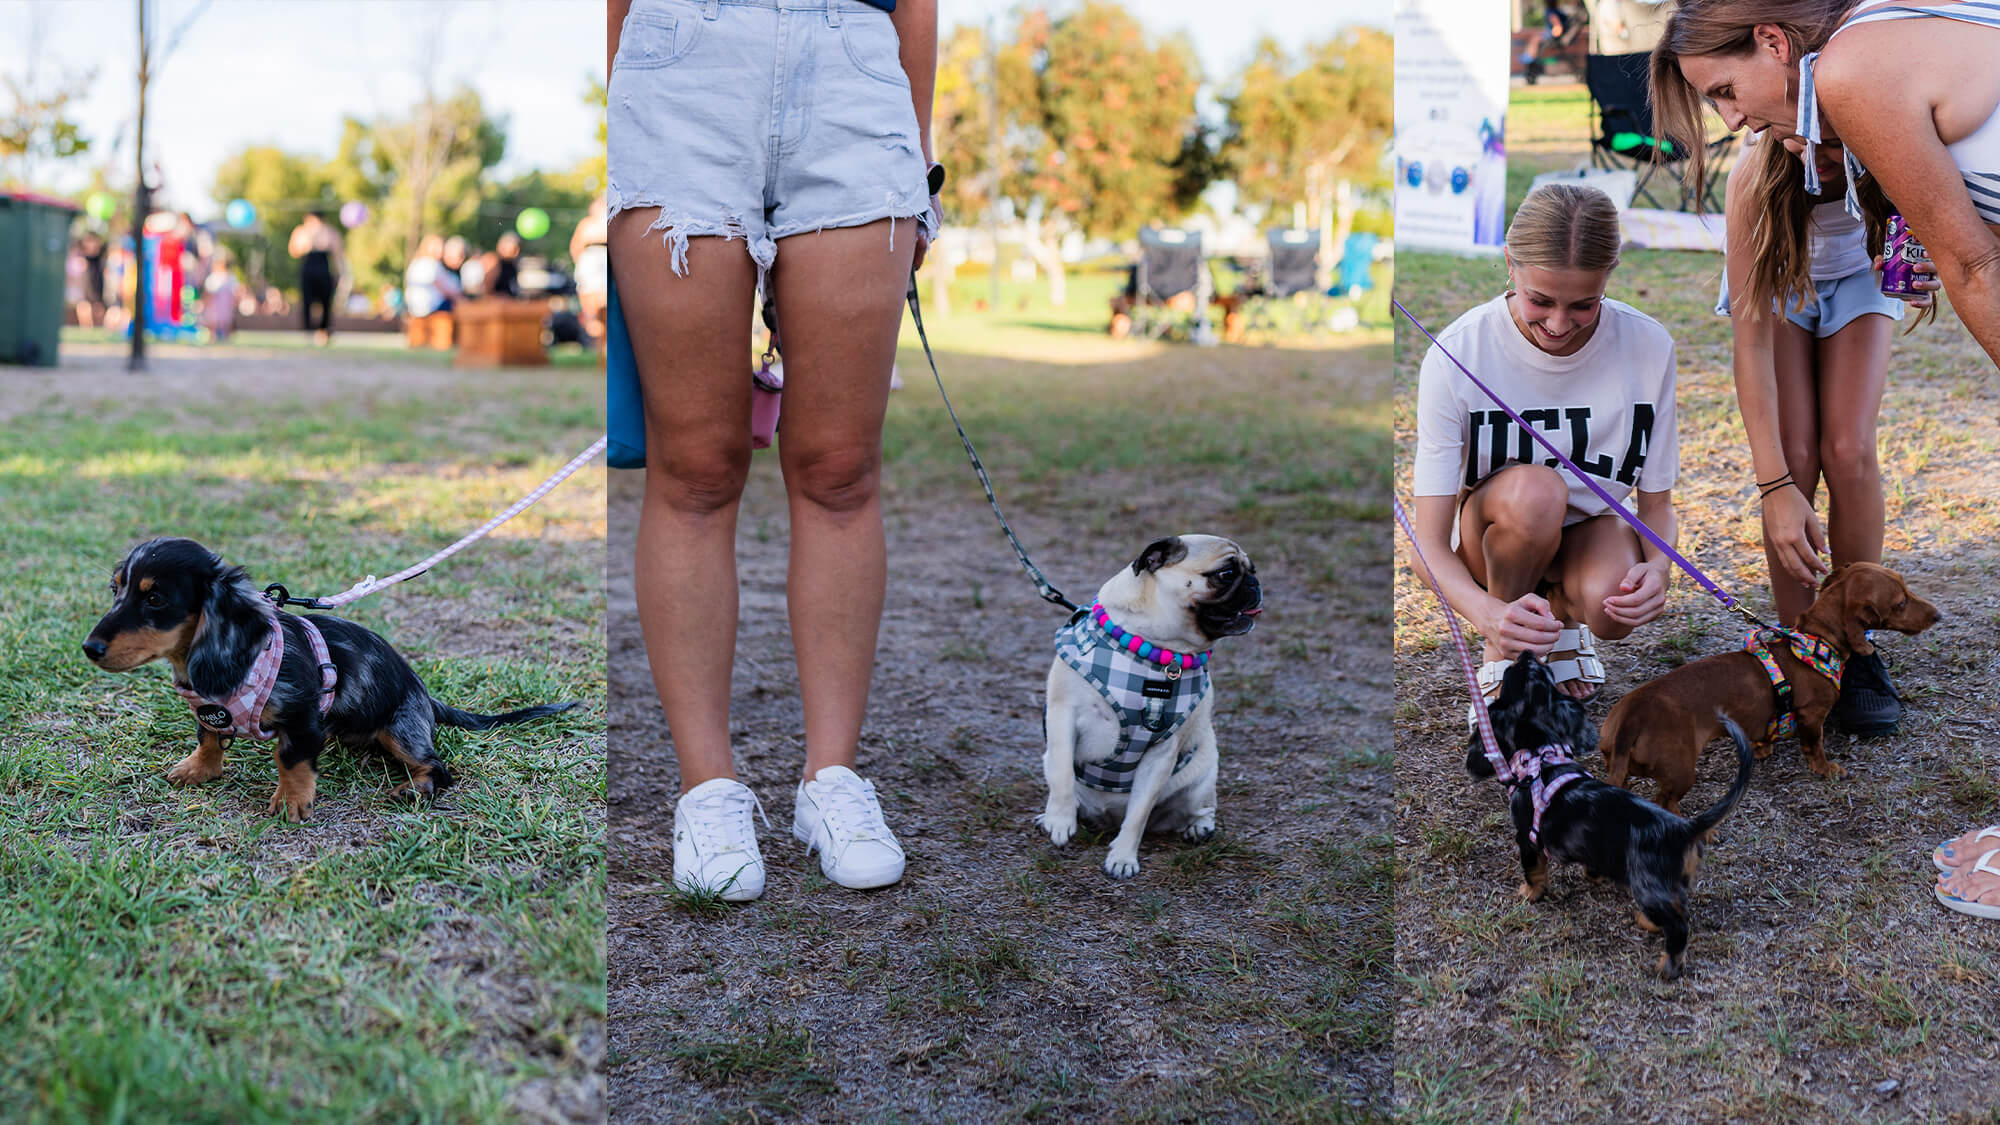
<point>1129,706</point>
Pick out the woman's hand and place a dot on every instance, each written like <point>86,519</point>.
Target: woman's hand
<point>1792,528</point>
<point>1522,625</point>
<point>1644,594</point>
<point>1926,280</point>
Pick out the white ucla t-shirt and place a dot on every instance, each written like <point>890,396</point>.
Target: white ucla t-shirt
<point>1609,407</point>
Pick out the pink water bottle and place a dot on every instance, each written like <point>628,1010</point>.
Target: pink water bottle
<point>766,383</point>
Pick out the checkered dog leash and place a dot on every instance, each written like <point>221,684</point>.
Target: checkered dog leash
<point>1622,511</point>
<point>372,585</point>
<point>1049,593</point>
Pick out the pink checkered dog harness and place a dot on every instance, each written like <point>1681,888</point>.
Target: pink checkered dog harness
<point>1528,768</point>
<point>241,712</point>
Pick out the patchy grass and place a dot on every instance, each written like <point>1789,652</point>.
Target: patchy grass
<point>1824,983</point>
<point>177,954</point>
<point>1243,979</point>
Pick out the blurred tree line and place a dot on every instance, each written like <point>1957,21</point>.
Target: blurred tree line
<point>427,172</point>
<point>1081,121</point>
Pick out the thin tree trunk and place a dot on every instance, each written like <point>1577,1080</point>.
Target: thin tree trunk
<point>142,205</point>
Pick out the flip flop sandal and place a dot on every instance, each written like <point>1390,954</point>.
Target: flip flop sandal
<point>1948,855</point>
<point>1490,674</point>
<point>1973,890</point>
<point>1575,658</point>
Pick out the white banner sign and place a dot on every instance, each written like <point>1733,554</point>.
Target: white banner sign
<point>1451,124</point>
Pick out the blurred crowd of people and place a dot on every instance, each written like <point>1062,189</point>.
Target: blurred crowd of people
<point>198,284</point>
<point>192,273</point>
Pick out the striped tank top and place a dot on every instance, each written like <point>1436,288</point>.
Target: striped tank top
<point>1977,154</point>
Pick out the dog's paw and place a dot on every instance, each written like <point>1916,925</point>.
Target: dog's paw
<point>415,791</point>
<point>1531,892</point>
<point>1826,769</point>
<point>1060,826</point>
<point>295,809</point>
<point>1120,866</point>
<point>192,770</point>
<point>1201,830</point>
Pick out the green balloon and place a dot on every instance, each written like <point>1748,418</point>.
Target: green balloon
<point>101,206</point>
<point>532,222</point>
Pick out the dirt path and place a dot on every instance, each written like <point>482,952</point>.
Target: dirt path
<point>1240,980</point>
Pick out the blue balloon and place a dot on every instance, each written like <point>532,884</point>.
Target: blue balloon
<point>239,213</point>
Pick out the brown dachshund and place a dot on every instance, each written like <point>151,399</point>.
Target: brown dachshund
<point>1659,728</point>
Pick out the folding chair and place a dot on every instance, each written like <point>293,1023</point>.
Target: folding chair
<point>1621,132</point>
<point>1170,264</point>
<point>1291,269</point>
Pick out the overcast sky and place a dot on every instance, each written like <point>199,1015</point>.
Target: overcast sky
<point>286,73</point>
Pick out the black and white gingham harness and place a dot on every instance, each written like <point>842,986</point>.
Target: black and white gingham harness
<point>1152,702</point>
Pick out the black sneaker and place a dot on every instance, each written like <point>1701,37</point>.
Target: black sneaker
<point>1867,706</point>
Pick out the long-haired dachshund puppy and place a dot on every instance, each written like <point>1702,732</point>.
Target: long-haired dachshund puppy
<point>1659,728</point>
<point>247,669</point>
<point>1613,833</point>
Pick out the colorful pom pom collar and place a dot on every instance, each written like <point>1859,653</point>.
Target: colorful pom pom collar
<point>1144,649</point>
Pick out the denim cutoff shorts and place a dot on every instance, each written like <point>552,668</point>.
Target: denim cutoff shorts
<point>1841,301</point>
<point>761,119</point>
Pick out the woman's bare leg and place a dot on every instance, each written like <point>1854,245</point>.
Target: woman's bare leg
<point>1853,367</point>
<point>691,334</point>
<point>839,295</point>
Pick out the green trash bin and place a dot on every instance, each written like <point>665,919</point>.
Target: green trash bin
<point>34,251</point>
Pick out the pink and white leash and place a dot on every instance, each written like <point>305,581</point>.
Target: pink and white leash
<point>372,585</point>
<point>1501,768</point>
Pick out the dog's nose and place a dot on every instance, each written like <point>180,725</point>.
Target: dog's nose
<point>94,648</point>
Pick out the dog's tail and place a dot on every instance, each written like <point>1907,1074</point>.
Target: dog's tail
<point>1745,760</point>
<point>468,720</point>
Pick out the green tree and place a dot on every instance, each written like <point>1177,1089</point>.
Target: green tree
<point>1314,130</point>
<point>282,186</point>
<point>425,172</point>
<point>37,125</point>
<point>1108,114</point>
<point>564,195</point>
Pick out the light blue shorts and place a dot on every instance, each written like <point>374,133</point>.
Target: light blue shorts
<point>1840,302</point>
<point>761,119</point>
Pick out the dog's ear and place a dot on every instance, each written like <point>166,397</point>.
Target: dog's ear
<point>1576,731</point>
<point>1159,553</point>
<point>235,620</point>
<point>1835,613</point>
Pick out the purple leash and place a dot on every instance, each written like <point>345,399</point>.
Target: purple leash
<point>1624,513</point>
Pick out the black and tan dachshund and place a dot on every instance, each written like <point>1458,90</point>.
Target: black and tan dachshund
<point>1615,834</point>
<point>175,600</point>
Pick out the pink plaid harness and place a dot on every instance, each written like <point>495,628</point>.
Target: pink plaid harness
<point>241,712</point>
<point>1816,653</point>
<point>1529,768</point>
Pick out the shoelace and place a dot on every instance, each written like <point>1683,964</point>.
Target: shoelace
<point>723,824</point>
<point>850,811</point>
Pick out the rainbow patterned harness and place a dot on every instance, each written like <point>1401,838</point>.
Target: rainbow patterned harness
<point>1816,653</point>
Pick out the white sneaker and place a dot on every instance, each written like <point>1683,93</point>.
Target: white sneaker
<point>715,841</point>
<point>837,813</point>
